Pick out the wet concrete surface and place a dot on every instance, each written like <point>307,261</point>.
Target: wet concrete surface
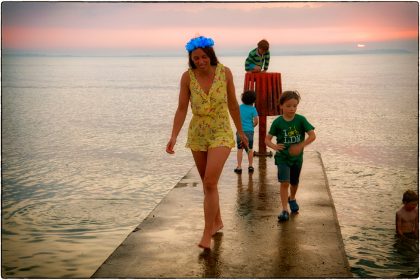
<point>252,243</point>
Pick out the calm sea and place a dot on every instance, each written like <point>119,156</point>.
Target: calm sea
<point>83,159</point>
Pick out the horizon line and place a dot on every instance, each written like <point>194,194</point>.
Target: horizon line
<point>120,53</point>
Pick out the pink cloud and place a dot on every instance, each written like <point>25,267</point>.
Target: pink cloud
<point>170,25</point>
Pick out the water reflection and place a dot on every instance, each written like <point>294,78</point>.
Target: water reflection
<point>288,249</point>
<point>210,259</point>
<point>262,177</point>
<point>407,251</point>
<point>247,200</point>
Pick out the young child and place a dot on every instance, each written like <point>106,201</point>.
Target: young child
<point>289,129</point>
<point>259,58</point>
<point>249,119</point>
<point>407,217</point>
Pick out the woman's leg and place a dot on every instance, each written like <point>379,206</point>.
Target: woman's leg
<point>200,159</point>
<point>216,158</point>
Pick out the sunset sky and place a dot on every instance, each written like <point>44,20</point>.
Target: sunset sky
<point>166,27</point>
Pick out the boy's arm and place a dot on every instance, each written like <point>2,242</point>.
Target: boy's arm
<point>398,226</point>
<point>269,143</point>
<point>255,121</point>
<point>249,60</point>
<point>311,138</point>
<point>267,61</point>
<point>296,149</point>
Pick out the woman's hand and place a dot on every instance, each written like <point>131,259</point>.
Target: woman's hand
<point>170,146</point>
<point>244,140</point>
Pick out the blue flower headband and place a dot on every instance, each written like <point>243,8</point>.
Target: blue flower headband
<point>199,42</point>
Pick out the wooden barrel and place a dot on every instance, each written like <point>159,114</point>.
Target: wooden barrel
<point>268,89</point>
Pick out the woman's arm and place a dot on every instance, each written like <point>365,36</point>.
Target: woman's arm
<point>181,112</point>
<point>234,107</point>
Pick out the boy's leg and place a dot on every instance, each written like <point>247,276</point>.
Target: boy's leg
<point>256,69</point>
<point>294,179</point>
<point>250,136</point>
<point>284,194</point>
<point>293,190</point>
<point>294,183</point>
<point>283,175</point>
<point>239,157</point>
<point>251,157</point>
<point>239,153</point>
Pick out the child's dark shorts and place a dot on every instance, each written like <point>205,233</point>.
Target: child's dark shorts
<point>250,136</point>
<point>291,174</point>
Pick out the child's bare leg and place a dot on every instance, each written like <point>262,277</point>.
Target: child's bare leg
<point>239,157</point>
<point>284,194</point>
<point>216,158</point>
<point>251,157</point>
<point>293,190</point>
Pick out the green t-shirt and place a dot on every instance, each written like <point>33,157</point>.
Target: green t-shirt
<point>287,133</point>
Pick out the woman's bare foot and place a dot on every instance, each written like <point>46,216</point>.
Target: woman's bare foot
<point>205,241</point>
<point>204,244</point>
<point>203,247</point>
<point>216,228</point>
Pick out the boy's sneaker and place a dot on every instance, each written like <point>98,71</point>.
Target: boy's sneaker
<point>284,216</point>
<point>294,207</point>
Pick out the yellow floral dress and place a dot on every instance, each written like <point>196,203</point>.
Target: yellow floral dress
<point>210,124</point>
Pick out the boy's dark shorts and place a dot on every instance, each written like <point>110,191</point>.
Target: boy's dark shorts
<point>291,174</point>
<point>250,136</point>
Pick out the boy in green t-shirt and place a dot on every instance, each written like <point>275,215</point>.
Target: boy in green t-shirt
<point>289,129</point>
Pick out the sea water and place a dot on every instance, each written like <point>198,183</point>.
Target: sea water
<point>83,160</point>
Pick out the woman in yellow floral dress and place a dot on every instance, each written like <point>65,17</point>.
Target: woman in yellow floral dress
<point>210,88</point>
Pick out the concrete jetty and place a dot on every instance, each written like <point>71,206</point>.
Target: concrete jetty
<point>252,244</point>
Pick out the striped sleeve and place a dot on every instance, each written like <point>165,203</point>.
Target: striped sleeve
<point>266,60</point>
